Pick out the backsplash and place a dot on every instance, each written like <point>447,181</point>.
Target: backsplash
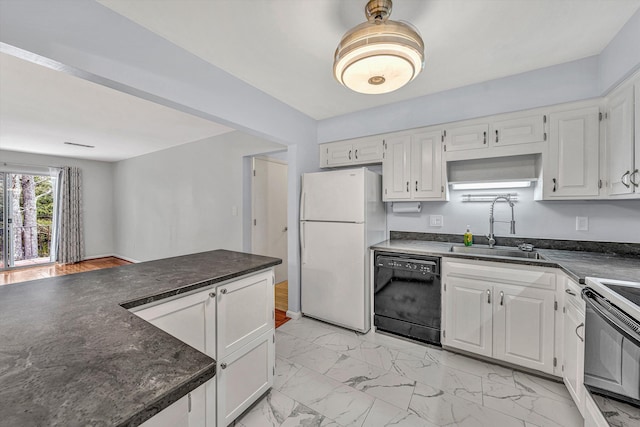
<point>624,249</point>
<point>608,220</point>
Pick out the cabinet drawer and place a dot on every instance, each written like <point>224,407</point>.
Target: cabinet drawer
<point>245,311</point>
<point>499,272</point>
<point>244,376</point>
<point>573,295</point>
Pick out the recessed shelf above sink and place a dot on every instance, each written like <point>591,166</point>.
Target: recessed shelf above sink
<point>496,251</point>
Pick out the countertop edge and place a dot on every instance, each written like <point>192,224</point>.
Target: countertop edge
<point>194,286</point>
<point>172,396</point>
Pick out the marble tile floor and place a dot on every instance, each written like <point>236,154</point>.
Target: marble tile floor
<point>329,376</point>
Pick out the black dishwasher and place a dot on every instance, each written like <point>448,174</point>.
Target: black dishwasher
<point>407,297</point>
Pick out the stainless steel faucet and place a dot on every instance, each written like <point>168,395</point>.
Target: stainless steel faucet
<point>491,237</point>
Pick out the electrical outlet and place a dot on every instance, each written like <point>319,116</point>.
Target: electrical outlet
<point>435,220</point>
<point>582,223</point>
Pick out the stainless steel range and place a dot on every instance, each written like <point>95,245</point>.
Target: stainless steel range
<point>612,339</point>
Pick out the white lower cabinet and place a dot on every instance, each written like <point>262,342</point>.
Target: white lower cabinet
<point>573,343</point>
<point>234,323</point>
<point>189,411</point>
<point>243,376</point>
<point>592,415</point>
<point>501,311</point>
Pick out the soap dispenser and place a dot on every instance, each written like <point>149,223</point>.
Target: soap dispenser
<point>468,237</point>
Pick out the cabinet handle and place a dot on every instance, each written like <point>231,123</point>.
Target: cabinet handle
<point>356,153</point>
<point>578,327</point>
<point>622,178</point>
<point>501,298</point>
<point>488,296</point>
<point>407,186</point>
<point>416,185</point>
<point>570,292</point>
<point>484,134</point>
<point>223,291</point>
<point>631,180</point>
<point>212,294</point>
<point>496,135</point>
<point>223,365</point>
<point>349,154</point>
<point>554,184</point>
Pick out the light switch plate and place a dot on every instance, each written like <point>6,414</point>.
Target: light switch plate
<point>234,210</point>
<point>435,220</point>
<point>582,223</point>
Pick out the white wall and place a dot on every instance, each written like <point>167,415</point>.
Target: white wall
<point>609,221</point>
<point>97,197</point>
<point>180,200</point>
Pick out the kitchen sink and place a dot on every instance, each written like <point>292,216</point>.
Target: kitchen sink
<point>496,251</point>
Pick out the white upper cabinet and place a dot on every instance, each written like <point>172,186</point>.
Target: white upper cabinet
<point>519,130</point>
<point>426,166</point>
<point>412,167</point>
<point>467,137</point>
<point>502,135</point>
<point>571,164</point>
<point>396,172</point>
<point>623,157</point>
<point>359,151</point>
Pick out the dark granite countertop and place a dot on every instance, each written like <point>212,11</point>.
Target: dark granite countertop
<point>576,264</point>
<point>71,354</point>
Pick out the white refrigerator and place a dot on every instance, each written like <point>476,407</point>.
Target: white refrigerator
<point>341,215</point>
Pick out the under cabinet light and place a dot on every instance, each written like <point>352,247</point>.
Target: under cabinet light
<point>489,185</point>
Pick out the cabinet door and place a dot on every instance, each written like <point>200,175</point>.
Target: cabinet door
<point>339,153</point>
<point>396,172</point>
<point>571,167</point>
<point>620,144</point>
<point>367,150</point>
<point>176,414</point>
<point>243,376</point>
<point>522,130</point>
<point>573,362</point>
<point>467,137</point>
<point>191,319</point>
<point>523,325</point>
<point>245,311</point>
<point>468,315</point>
<point>426,166</point>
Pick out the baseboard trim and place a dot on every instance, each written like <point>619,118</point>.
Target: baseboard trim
<point>135,261</point>
<point>294,314</point>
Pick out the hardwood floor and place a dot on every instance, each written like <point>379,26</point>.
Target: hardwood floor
<point>52,270</point>
<point>282,295</point>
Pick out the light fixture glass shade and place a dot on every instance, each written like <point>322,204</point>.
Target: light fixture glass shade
<point>379,57</point>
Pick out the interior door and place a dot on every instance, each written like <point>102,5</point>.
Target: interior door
<point>269,211</point>
<point>333,273</point>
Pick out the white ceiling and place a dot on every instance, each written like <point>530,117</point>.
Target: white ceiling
<point>285,47</point>
<point>41,108</point>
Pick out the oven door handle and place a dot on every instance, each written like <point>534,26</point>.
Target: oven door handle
<point>613,316</point>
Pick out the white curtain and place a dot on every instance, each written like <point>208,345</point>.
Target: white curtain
<point>71,236</point>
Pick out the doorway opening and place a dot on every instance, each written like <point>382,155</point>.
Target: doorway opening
<point>269,218</point>
<point>28,205</point>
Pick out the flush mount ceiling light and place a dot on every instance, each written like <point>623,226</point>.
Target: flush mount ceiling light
<point>380,55</point>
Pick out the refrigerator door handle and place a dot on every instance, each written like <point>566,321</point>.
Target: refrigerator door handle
<point>303,202</point>
<point>302,251</point>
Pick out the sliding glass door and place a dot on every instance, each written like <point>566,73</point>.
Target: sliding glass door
<point>27,217</point>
